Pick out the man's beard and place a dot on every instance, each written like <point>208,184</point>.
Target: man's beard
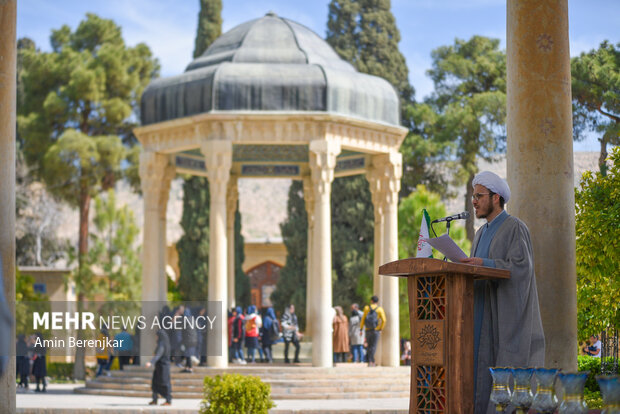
<point>484,213</point>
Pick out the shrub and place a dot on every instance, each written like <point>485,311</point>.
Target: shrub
<point>592,364</point>
<point>60,370</point>
<point>235,393</point>
<point>593,399</point>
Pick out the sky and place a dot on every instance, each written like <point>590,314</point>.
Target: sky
<point>168,27</point>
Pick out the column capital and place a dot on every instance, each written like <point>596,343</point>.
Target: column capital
<point>323,155</point>
<point>218,160</point>
<point>154,170</point>
<point>384,177</point>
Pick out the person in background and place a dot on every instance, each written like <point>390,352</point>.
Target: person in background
<point>290,327</point>
<point>39,367</point>
<point>406,356</point>
<point>22,361</point>
<point>125,346</point>
<point>340,325</point>
<point>270,333</point>
<point>595,347</point>
<point>238,334</point>
<point>102,353</point>
<point>356,335</point>
<point>202,339</point>
<point>373,320</point>
<point>160,384</point>
<point>189,340</point>
<point>232,313</point>
<point>253,323</point>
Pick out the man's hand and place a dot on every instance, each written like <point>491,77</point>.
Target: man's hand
<point>476,261</point>
<point>148,364</point>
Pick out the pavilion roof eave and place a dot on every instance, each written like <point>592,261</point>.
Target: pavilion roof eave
<point>270,127</point>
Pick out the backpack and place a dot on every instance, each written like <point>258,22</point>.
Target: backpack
<point>250,325</point>
<point>372,319</point>
<point>274,331</point>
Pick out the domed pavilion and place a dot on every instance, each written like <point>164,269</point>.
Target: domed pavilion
<point>270,98</point>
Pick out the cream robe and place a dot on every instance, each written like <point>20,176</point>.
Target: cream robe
<point>512,333</point>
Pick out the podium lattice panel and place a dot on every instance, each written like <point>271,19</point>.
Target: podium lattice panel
<point>431,298</point>
<point>431,389</point>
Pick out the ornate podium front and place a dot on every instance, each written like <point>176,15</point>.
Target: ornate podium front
<point>441,312</point>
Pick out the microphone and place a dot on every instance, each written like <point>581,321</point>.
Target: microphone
<point>461,216</point>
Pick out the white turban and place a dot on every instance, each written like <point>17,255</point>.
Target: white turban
<point>492,182</point>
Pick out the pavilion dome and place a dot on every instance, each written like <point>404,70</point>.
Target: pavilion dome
<point>270,64</point>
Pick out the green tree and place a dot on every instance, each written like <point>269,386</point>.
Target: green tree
<point>113,249</point>
<point>209,25</point>
<point>242,281</point>
<point>597,202</point>
<point>352,220</point>
<point>291,286</point>
<point>409,219</point>
<point>470,100</point>
<point>78,107</point>
<point>193,246</point>
<point>596,96</point>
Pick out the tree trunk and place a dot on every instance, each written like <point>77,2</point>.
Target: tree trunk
<point>602,165</point>
<point>469,207</point>
<point>79,368</point>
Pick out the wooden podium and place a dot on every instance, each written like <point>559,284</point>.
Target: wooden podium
<point>441,312</point>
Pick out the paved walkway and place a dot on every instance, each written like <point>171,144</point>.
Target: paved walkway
<point>61,399</point>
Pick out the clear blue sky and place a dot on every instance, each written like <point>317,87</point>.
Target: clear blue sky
<point>169,26</point>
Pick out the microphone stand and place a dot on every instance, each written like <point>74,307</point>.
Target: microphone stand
<point>445,259</point>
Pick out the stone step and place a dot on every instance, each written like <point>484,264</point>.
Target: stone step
<point>291,382</point>
<point>353,368</point>
<point>308,387</point>
<point>274,396</point>
<point>344,381</point>
<point>264,377</point>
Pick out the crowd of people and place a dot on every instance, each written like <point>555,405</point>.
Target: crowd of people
<point>355,338</point>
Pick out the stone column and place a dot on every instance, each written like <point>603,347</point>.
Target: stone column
<point>153,168</point>
<point>218,159</point>
<point>540,161</point>
<point>310,297</point>
<point>164,195</point>
<point>392,165</point>
<point>232,196</point>
<point>7,187</point>
<point>322,163</point>
<point>374,177</point>
<point>377,190</point>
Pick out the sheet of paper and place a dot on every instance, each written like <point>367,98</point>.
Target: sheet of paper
<point>447,246</point>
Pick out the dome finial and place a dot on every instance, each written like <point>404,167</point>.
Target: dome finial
<point>271,13</point>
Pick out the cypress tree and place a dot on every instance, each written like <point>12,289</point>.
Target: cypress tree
<point>193,247</point>
<point>291,286</point>
<point>242,281</point>
<point>209,25</point>
<point>352,237</point>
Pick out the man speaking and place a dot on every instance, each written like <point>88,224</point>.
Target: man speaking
<point>507,326</point>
